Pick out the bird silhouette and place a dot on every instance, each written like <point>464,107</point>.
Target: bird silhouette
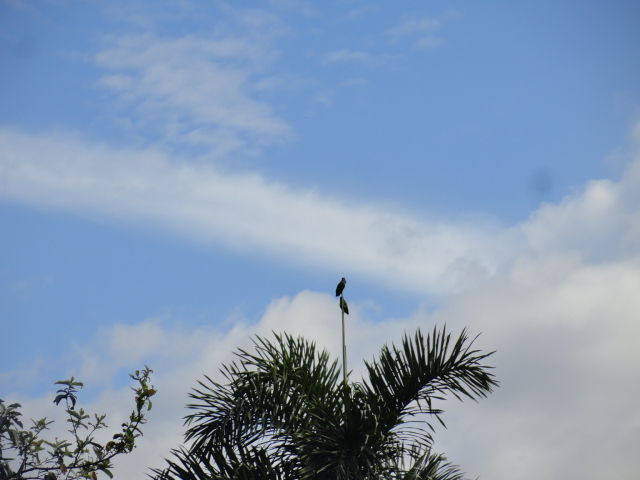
<point>340,287</point>
<point>344,306</point>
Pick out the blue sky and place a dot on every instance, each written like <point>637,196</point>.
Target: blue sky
<point>178,177</point>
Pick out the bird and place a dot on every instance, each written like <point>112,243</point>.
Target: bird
<point>340,287</point>
<point>344,306</point>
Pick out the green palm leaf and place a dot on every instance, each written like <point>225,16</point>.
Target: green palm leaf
<point>406,381</point>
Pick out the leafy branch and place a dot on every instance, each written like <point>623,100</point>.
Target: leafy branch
<point>33,457</point>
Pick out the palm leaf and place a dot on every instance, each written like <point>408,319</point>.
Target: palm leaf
<point>256,465</point>
<point>271,395</point>
<point>406,381</point>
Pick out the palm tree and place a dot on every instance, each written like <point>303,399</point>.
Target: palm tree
<point>284,413</point>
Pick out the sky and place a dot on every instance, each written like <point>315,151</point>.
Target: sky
<point>177,177</point>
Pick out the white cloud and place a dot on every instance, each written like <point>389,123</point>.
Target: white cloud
<point>346,55</point>
<point>600,222</point>
<point>566,334</point>
<point>244,212</point>
<point>193,89</point>
<point>564,320</point>
<point>358,14</point>
<point>351,56</point>
<point>423,30</point>
<point>415,25</point>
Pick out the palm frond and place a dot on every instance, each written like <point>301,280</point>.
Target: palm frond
<point>270,396</point>
<point>406,381</point>
<point>431,466</point>
<point>256,464</point>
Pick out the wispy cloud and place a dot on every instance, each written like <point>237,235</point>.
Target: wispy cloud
<point>357,57</point>
<point>346,55</point>
<point>19,5</point>
<point>193,89</point>
<point>421,31</point>
<point>243,212</point>
<point>250,212</point>
<point>357,14</point>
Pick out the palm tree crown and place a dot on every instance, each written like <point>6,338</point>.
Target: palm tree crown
<point>284,413</point>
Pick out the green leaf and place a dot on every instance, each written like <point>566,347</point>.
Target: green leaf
<point>75,414</point>
<point>107,471</point>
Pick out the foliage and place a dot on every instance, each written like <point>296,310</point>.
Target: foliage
<point>285,414</point>
<point>33,457</point>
